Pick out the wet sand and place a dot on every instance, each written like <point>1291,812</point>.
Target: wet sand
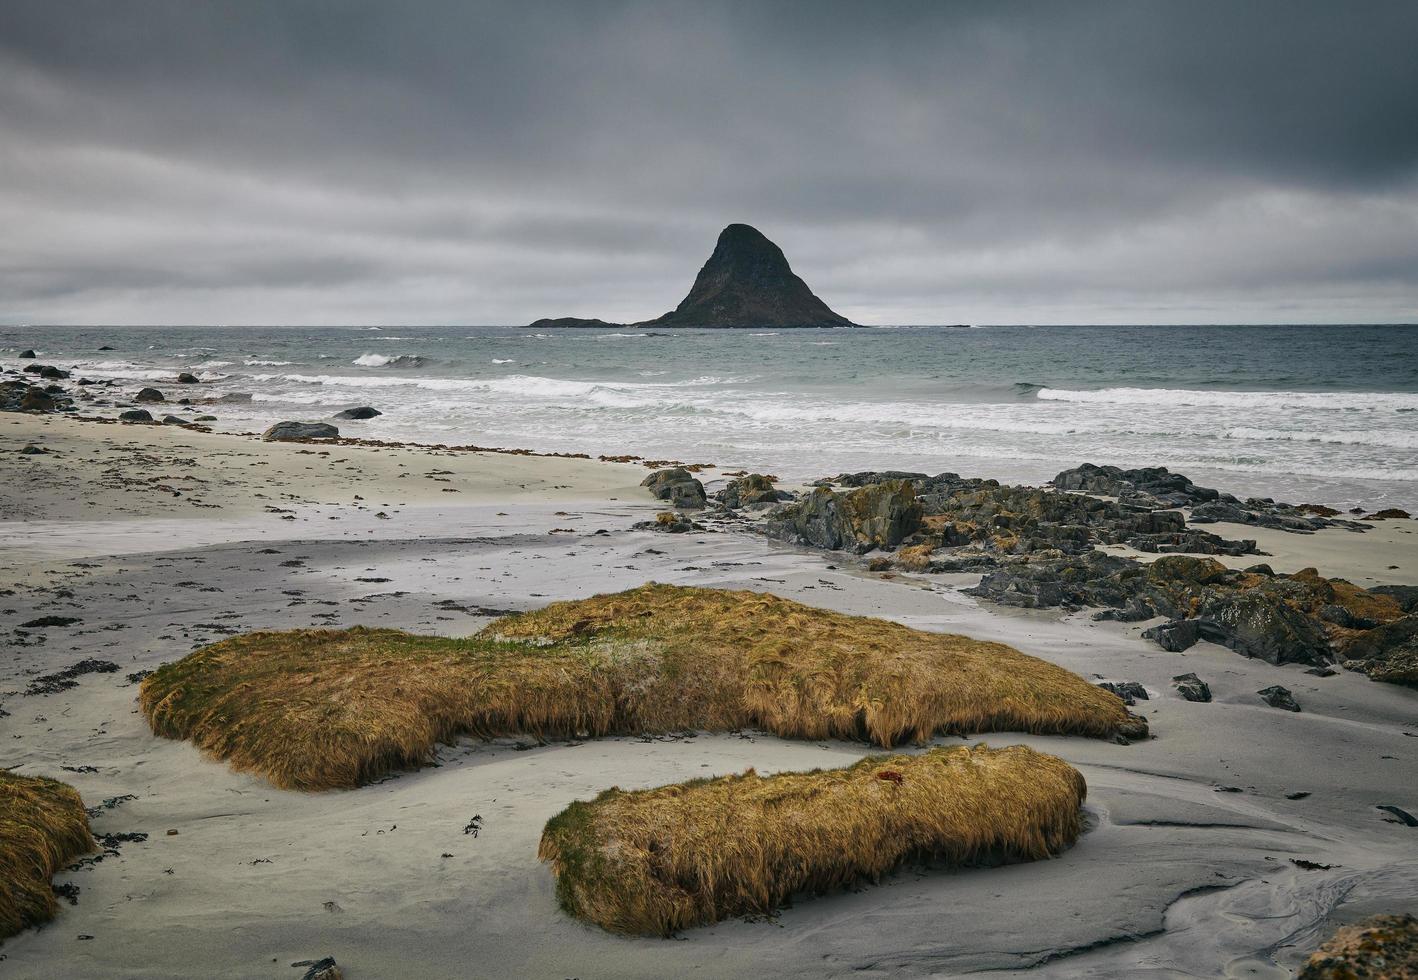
<point>1187,868</point>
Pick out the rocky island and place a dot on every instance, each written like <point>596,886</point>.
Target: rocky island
<point>747,282</point>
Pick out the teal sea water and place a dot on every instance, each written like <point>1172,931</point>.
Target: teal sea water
<point>1324,413</point>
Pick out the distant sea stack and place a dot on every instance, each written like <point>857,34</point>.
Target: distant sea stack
<point>747,282</point>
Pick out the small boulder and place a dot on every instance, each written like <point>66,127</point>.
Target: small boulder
<point>27,354</point>
<point>297,431</point>
<point>188,379</point>
<point>1279,697</point>
<point>173,420</point>
<point>53,373</point>
<point>678,486</point>
<point>36,400</point>
<point>1192,688</point>
<point>149,395</point>
<point>1176,636</point>
<point>363,412</point>
<point>205,418</point>
<point>136,415</point>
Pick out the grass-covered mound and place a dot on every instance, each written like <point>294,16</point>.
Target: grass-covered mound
<point>318,709</point>
<point>43,827</point>
<point>654,861</point>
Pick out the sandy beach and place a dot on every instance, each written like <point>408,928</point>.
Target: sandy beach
<point>1187,867</point>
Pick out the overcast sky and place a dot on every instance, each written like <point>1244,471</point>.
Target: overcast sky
<point>457,162</point>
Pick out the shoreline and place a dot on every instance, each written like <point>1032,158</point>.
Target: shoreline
<point>384,877</point>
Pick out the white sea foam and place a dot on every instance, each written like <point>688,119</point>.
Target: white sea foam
<point>502,360</point>
<point>1333,400</point>
<point>390,360</point>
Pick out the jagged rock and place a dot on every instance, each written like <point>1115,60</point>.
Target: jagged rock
<point>882,476</point>
<point>136,415</point>
<point>1279,697</point>
<point>1192,688</point>
<point>678,486</point>
<point>363,412</point>
<point>1130,691</point>
<point>149,395</point>
<point>1174,636</point>
<point>296,431</point>
<point>1389,514</point>
<point>1258,625</point>
<point>1172,489</point>
<point>188,379</point>
<point>754,488</point>
<point>1383,947</point>
<point>879,515</point>
<point>1386,653</point>
<point>1405,595</point>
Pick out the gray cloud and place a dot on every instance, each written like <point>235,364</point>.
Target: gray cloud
<point>296,161</point>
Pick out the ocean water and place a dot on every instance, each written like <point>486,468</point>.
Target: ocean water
<point>1322,413</point>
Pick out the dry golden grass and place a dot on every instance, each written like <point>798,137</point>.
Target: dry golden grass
<point>319,709</point>
<point>655,861</point>
<point>43,827</point>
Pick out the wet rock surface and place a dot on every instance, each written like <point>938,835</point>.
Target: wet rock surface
<point>296,431</point>
<point>1041,548</point>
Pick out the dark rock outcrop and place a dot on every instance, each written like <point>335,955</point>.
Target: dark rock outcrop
<point>879,515</point>
<point>747,282</point>
<point>188,379</point>
<point>27,354</point>
<point>149,395</point>
<point>755,488</point>
<point>678,486</point>
<point>363,412</point>
<point>298,431</point>
<point>566,322</point>
<point>136,415</point>
<point>1383,947</point>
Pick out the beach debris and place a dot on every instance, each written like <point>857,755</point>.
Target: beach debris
<point>1279,697</point>
<point>324,968</point>
<point>44,621</point>
<point>63,680</point>
<point>1404,817</point>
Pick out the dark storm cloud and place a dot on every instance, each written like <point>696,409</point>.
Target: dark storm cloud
<point>451,161</point>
